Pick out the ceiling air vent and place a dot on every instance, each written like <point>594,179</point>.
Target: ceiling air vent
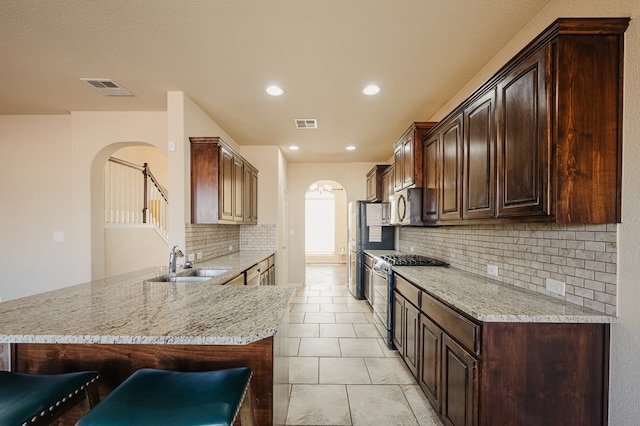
<point>306,123</point>
<point>107,86</point>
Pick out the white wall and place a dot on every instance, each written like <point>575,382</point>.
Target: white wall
<point>35,183</point>
<point>625,339</point>
<point>352,177</point>
<point>95,136</point>
<point>51,180</point>
<point>131,247</point>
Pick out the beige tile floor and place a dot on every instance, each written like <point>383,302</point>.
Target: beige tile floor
<point>341,371</point>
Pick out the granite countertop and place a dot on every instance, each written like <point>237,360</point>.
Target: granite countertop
<point>489,300</point>
<point>129,309</point>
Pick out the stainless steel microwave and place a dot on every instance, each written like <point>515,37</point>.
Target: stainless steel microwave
<point>406,207</point>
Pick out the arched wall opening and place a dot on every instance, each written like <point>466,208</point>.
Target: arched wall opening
<point>123,249</point>
<point>325,222</point>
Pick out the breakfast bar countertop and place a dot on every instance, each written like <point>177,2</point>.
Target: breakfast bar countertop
<point>489,300</point>
<point>129,309</point>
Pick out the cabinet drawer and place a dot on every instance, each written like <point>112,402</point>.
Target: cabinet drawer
<point>408,290</point>
<point>453,323</point>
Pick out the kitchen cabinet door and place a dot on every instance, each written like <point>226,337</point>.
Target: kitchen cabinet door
<point>398,177</point>
<point>238,189</point>
<point>374,183</point>
<point>479,158</point>
<point>431,179</point>
<point>451,190</point>
<point>459,385</point>
<point>250,194</point>
<point>411,342</point>
<point>430,369</point>
<point>523,142</point>
<point>399,328</point>
<point>226,182</point>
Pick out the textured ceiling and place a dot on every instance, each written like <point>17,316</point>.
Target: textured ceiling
<point>224,53</point>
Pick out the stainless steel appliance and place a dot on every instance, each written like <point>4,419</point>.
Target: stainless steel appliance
<point>383,284</point>
<point>365,232</point>
<point>406,207</point>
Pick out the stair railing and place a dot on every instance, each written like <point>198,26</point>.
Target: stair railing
<point>133,195</point>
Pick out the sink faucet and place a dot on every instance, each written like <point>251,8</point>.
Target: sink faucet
<point>173,255</point>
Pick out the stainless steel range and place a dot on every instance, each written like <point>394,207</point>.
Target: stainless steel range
<point>383,284</point>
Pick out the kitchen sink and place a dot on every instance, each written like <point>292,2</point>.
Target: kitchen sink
<point>193,276</point>
<point>209,272</point>
<point>180,279</point>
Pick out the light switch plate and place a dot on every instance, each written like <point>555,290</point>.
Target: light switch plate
<point>58,236</point>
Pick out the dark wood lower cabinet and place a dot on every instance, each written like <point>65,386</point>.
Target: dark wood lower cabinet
<point>406,336</point>
<point>502,373</point>
<point>459,384</point>
<point>411,348</point>
<point>430,355</point>
<point>399,329</point>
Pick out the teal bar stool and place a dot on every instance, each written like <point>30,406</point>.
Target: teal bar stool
<point>34,399</point>
<point>169,398</point>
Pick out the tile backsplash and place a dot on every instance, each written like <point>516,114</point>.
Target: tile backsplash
<point>258,237</point>
<point>211,240</point>
<point>582,256</point>
<point>218,240</point>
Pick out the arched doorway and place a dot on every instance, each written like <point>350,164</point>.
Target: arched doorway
<point>325,222</point>
<point>124,247</point>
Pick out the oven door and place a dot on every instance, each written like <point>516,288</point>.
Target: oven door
<point>381,305</point>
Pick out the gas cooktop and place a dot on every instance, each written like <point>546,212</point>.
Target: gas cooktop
<point>411,260</point>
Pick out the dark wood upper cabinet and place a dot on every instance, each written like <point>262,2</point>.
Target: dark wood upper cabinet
<point>224,186</point>
<point>541,139</point>
<point>374,183</point>
<point>407,156</point>
<point>451,164</point>
<point>387,191</point>
<point>524,151</point>
<point>431,182</point>
<point>226,183</point>
<point>479,184</point>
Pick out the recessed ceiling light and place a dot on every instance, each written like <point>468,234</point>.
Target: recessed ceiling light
<point>350,148</point>
<point>294,148</point>
<point>274,91</point>
<point>371,90</point>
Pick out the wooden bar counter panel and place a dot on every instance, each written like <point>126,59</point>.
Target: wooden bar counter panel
<point>116,362</point>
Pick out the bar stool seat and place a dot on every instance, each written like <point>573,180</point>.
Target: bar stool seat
<point>34,399</point>
<point>160,397</point>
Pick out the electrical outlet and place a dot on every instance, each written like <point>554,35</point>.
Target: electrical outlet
<point>411,249</point>
<point>492,270</point>
<point>555,286</point>
<point>191,257</point>
<point>199,255</point>
<point>230,248</point>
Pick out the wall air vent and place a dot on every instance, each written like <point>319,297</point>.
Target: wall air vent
<point>306,123</point>
<point>107,86</point>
